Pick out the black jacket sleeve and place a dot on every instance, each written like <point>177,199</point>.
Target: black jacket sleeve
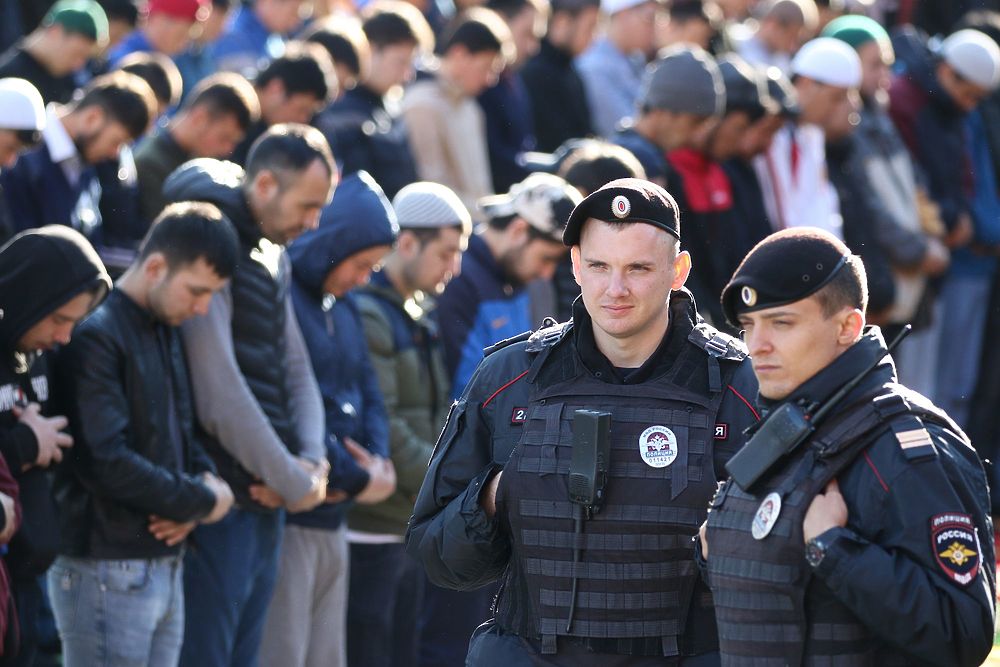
<point>99,418</point>
<point>461,547</point>
<point>885,564</point>
<point>18,446</point>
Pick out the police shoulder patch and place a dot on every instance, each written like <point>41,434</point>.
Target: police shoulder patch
<point>956,546</point>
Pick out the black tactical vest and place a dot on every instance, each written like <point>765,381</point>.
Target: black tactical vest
<point>258,325</point>
<point>636,575</point>
<point>759,585</point>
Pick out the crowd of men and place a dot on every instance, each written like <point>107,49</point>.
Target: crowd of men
<point>255,256</point>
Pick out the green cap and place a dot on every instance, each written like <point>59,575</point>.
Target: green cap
<point>84,17</point>
<point>857,30</point>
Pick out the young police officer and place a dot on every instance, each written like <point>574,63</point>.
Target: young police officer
<point>869,543</point>
<point>605,580</point>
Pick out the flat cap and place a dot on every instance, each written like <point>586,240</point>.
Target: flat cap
<point>785,267</point>
<point>625,200</point>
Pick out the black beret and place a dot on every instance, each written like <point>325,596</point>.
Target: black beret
<point>625,200</point>
<point>786,267</point>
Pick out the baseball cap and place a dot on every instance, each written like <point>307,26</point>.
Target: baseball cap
<point>828,61</point>
<point>21,106</point>
<point>544,201</point>
<point>973,55</point>
<point>84,17</point>
<point>186,10</point>
<point>425,205</point>
<point>683,79</point>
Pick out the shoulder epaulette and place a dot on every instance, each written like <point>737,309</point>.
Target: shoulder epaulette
<point>718,344</point>
<point>506,342</point>
<point>547,336</point>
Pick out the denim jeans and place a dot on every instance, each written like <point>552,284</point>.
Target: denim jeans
<point>118,612</point>
<point>384,607</point>
<point>229,576</point>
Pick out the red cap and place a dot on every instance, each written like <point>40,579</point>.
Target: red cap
<point>181,9</point>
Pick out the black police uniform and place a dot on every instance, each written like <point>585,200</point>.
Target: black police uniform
<point>675,422</point>
<point>911,579</point>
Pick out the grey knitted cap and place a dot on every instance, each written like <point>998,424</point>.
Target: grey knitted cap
<point>426,205</point>
<point>684,79</point>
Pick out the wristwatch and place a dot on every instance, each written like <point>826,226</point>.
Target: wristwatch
<point>816,550</point>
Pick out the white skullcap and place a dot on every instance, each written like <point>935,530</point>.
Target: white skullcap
<point>610,7</point>
<point>427,205</point>
<point>974,56</point>
<point>21,106</point>
<point>829,61</point>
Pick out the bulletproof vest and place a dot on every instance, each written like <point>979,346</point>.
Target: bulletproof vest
<point>769,610</point>
<point>635,575</point>
<point>258,325</point>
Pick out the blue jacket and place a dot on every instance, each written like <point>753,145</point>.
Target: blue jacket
<point>509,131</point>
<point>359,218</point>
<point>245,45</point>
<point>985,206</point>
<point>38,193</point>
<point>478,308</point>
<point>134,42</point>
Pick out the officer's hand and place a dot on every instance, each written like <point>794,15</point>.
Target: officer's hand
<point>702,532</point>
<point>47,432</point>
<point>827,510</point>
<point>488,496</point>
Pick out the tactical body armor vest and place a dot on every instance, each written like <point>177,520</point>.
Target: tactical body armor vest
<point>258,325</point>
<point>759,583</point>
<point>635,573</point>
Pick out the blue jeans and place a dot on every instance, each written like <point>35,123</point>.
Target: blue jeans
<point>383,607</point>
<point>229,576</point>
<point>118,612</point>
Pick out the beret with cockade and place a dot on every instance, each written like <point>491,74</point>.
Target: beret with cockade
<point>785,267</point>
<point>625,200</point>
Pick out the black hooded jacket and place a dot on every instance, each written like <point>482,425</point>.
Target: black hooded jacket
<point>40,271</point>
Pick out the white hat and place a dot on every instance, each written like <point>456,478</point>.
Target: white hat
<point>974,56</point>
<point>829,61</point>
<point>610,7</point>
<point>544,201</point>
<point>21,106</point>
<point>427,205</point>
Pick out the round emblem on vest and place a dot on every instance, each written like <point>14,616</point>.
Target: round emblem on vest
<point>748,295</point>
<point>658,446</point>
<point>621,206</point>
<point>766,516</point>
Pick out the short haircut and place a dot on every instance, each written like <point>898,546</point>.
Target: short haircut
<point>223,4</point>
<point>847,289</point>
<point>125,98</point>
<point>121,10</point>
<point>159,72</point>
<point>226,94</point>
<point>573,7</point>
<point>790,12</point>
<point>696,10</point>
<point>511,8</point>
<point>303,69</point>
<point>188,231</point>
<point>478,30</point>
<point>392,22</point>
<point>288,149</point>
<point>597,163</point>
<point>345,42</point>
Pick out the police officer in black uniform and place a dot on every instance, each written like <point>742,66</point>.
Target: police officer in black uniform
<point>856,527</point>
<point>611,581</point>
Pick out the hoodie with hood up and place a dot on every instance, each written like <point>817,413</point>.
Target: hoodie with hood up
<point>359,218</point>
<point>40,271</point>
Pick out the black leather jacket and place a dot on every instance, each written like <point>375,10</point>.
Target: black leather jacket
<point>123,467</point>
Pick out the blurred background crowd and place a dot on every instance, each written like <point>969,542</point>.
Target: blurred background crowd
<point>419,159</point>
